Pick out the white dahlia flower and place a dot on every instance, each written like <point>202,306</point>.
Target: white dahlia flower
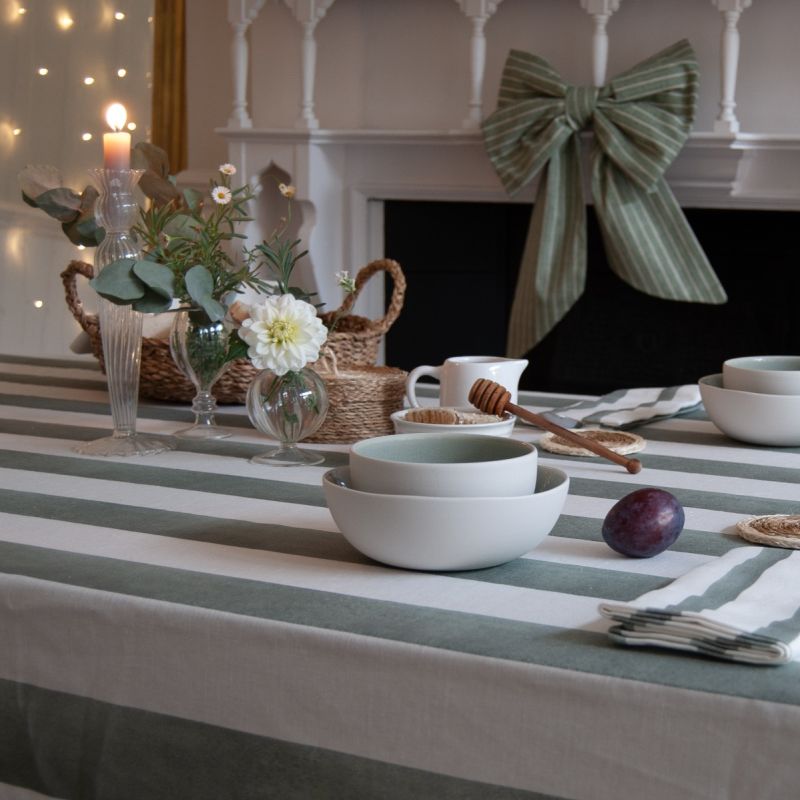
<point>283,334</point>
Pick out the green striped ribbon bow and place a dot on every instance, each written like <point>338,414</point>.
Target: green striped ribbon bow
<point>640,120</point>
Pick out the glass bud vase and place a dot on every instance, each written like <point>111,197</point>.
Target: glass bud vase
<point>199,347</point>
<point>120,326</point>
<point>288,408</point>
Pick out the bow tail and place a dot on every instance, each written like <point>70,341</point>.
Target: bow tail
<point>648,241</point>
<point>552,273</point>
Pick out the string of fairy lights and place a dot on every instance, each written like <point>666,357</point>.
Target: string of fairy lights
<point>65,20</point>
<point>83,54</point>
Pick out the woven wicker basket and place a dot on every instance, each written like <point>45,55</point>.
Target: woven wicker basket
<point>354,342</point>
<point>361,400</point>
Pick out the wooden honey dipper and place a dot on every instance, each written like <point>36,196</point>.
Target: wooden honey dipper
<point>492,398</point>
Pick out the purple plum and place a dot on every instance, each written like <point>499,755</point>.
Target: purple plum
<point>644,523</point>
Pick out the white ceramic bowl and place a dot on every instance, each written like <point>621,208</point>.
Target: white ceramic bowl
<point>443,465</point>
<point>502,427</point>
<point>445,533</point>
<point>770,419</point>
<point>763,374</point>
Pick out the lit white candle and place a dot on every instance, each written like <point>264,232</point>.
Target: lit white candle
<point>116,145</point>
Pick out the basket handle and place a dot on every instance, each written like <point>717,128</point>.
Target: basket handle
<point>88,322</point>
<point>398,292</point>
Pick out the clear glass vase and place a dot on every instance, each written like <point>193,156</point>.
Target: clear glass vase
<point>199,347</point>
<point>120,326</point>
<point>288,408</point>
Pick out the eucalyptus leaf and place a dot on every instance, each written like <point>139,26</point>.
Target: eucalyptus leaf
<point>157,277</point>
<point>182,225</point>
<point>86,232</point>
<point>145,155</point>
<point>84,228</point>
<point>192,198</point>
<point>155,181</point>
<point>117,283</point>
<point>212,307</point>
<point>36,179</point>
<point>200,286</point>
<point>61,204</point>
<point>158,189</point>
<point>152,303</point>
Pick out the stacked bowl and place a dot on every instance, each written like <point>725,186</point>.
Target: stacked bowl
<point>444,501</point>
<point>756,399</point>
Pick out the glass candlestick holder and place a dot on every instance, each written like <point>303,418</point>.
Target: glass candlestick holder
<point>120,325</point>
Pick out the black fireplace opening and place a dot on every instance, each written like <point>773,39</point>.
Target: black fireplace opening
<point>461,262</point>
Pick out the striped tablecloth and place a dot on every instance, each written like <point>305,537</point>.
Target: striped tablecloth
<point>190,625</point>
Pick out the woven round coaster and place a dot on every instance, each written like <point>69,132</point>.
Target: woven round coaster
<point>776,530</point>
<point>620,442</point>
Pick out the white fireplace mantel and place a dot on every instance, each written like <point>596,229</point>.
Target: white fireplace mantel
<point>342,178</point>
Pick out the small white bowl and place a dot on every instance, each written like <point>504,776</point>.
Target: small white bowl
<point>763,374</point>
<point>445,533</point>
<point>443,465</point>
<point>769,419</point>
<point>502,427</point>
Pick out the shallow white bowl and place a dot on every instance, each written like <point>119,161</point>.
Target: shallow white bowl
<point>770,419</point>
<point>763,374</point>
<point>445,533</point>
<point>443,465</point>
<point>503,427</point>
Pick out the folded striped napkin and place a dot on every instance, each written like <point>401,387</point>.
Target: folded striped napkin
<point>743,606</point>
<point>627,408</point>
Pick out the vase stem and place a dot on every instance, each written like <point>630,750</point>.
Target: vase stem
<point>204,405</point>
<point>199,347</point>
<point>122,343</point>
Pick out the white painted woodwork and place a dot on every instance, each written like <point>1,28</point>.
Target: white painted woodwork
<point>601,11</point>
<point>478,12</point>
<point>308,13</point>
<point>731,10</point>
<point>240,14</point>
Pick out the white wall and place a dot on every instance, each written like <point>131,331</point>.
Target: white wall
<point>52,113</point>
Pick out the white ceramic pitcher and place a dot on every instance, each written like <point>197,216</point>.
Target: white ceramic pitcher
<point>457,375</point>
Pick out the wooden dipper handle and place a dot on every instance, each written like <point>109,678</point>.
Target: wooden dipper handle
<point>492,398</point>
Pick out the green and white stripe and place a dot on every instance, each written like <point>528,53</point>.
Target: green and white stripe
<point>640,120</point>
<point>193,625</point>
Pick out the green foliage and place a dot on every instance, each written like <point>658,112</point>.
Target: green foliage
<point>118,283</point>
<point>191,239</point>
<point>278,257</point>
<point>200,287</point>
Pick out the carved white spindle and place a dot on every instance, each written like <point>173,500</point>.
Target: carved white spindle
<point>478,11</point>
<point>308,13</point>
<point>601,10</point>
<point>726,123</point>
<point>240,14</point>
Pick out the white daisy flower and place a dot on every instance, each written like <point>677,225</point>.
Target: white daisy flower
<point>227,169</point>
<point>221,195</point>
<point>288,191</point>
<point>283,334</point>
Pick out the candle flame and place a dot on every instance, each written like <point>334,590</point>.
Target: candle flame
<point>116,115</point>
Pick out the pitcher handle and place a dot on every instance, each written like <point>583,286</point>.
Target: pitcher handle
<point>414,376</point>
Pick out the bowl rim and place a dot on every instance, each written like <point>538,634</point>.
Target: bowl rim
<point>560,474</point>
<point>399,416</point>
<point>527,450</point>
<point>739,363</point>
<point>762,396</point>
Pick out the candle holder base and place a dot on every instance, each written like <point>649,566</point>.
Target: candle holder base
<point>136,444</point>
